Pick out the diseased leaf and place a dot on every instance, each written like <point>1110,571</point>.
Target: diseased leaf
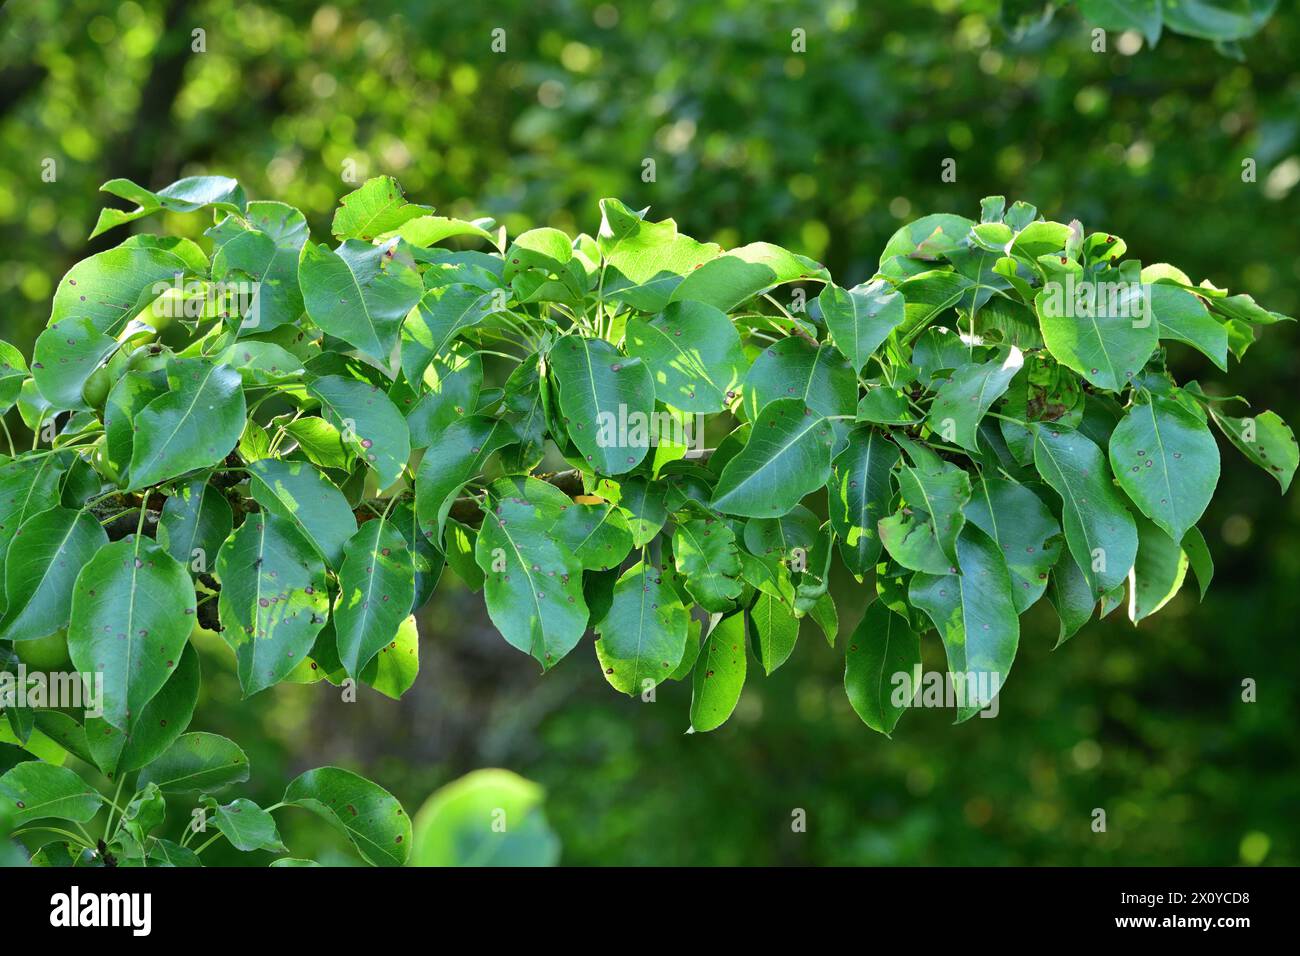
<point>274,599</point>
<point>376,590</point>
<point>719,674</point>
<point>861,318</point>
<point>606,399</point>
<point>197,762</point>
<point>643,636</point>
<point>365,812</point>
<point>693,353</point>
<point>1167,462</point>
<point>705,553</point>
<point>133,607</point>
<point>47,552</point>
<point>368,422</point>
<point>297,492</point>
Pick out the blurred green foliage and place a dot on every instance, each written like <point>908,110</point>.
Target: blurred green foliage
<point>826,152</point>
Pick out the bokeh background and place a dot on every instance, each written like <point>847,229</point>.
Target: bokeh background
<point>826,152</point>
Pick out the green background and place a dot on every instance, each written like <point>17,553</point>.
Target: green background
<point>826,152</point>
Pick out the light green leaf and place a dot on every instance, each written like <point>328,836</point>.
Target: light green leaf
<point>246,825</point>
<point>432,326</point>
<point>376,207</point>
<point>185,195</point>
<point>393,670</point>
<point>1107,342</point>
<point>158,726</point>
<point>532,581</point>
<point>774,628</point>
<point>1158,572</point>
<point>486,818</point>
<point>598,534</point>
<point>1183,317</point>
<point>740,274</point>
<point>967,395</point>
<point>112,286</point>
<point>268,255</point>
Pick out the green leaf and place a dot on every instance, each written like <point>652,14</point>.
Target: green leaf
<point>1158,572</point>
<point>1071,595</point>
<point>1020,524</point>
<point>704,550</point>
<point>427,560</point>
<point>486,818</point>
<point>736,276</point>
<point>598,534</point>
<point>859,494</point>
<point>197,762</point>
<point>976,618</point>
<point>643,636</point>
<point>787,457</point>
<point>820,377</point>
<point>880,647</point>
<point>13,371</point>
<point>1198,555</point>
<point>376,207</point>
<point>246,825</point>
<point>44,557</point>
<point>195,522</point>
<point>645,261</point>
<point>1183,317</point>
<point>369,423</point>
<point>268,255</point>
<point>185,195</point>
<point>159,724</point>
<point>64,358</point>
<point>33,790</point>
<point>132,612</point>
<point>1120,15</point>
<point>296,491</point>
<point>606,399</point>
<point>922,535</point>
<point>463,449</point>
<point>1098,527</point>
<point>1167,462</point>
<point>719,674</point>
<point>774,628</point>
<point>1266,440</point>
<point>442,314</point>
<point>694,354</point>
<point>861,318</point>
<point>369,815</point>
<point>28,486</point>
<point>1220,20</point>
<point>194,425</point>
<point>967,395</point>
<point>376,589</point>
<point>644,502</point>
<point>359,293</point>
<point>274,599</point>
<point>532,581</point>
<point>1107,343</point>
<point>112,286</point>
